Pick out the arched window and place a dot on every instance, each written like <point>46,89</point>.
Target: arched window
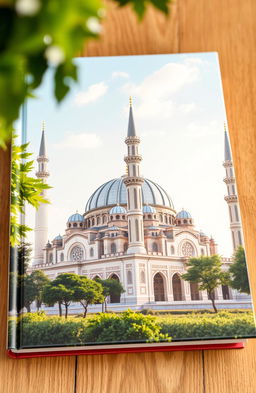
<point>123,217</point>
<point>104,219</point>
<point>233,189</point>
<point>89,223</point>
<point>176,285</point>
<point>236,212</point>
<point>62,257</point>
<point>172,250</point>
<point>113,248</point>
<point>142,277</point>
<point>185,221</point>
<point>117,217</point>
<point>97,277</point>
<point>98,220</point>
<point>114,297</point>
<point>91,252</point>
<point>161,218</point>
<point>129,277</point>
<point>137,229</point>
<point>187,250</point>
<point>93,222</point>
<point>125,247</point>
<point>165,219</point>
<point>170,220</point>
<point>50,257</point>
<point>149,217</point>
<point>69,225</point>
<point>159,289</point>
<point>111,217</point>
<point>154,247</point>
<point>75,225</point>
<point>77,254</point>
<point>230,214</point>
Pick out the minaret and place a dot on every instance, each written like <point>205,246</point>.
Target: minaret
<point>133,182</point>
<point>41,221</point>
<point>231,198</point>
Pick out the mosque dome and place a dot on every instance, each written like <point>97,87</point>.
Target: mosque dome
<point>76,218</point>
<point>59,237</point>
<point>117,210</point>
<point>114,193</point>
<point>148,209</point>
<point>183,214</point>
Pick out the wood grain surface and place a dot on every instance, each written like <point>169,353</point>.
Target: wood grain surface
<point>225,26</point>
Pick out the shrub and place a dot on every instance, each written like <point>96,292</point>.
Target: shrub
<point>127,326</point>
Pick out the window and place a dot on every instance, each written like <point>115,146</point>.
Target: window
<point>77,254</point>
<point>93,222</point>
<point>165,219</point>
<point>236,212</point>
<point>233,238</point>
<point>135,199</point>
<point>185,222</point>
<point>240,238</point>
<point>149,217</point>
<point>137,229</point>
<point>117,217</point>
<point>62,257</point>
<point>155,247</point>
<point>113,248</point>
<point>230,214</point>
<point>104,219</point>
<point>98,220</point>
<point>233,189</point>
<point>187,250</point>
<point>172,250</point>
<point>142,277</point>
<point>129,277</point>
<point>91,252</point>
<point>75,225</point>
<point>50,257</point>
<point>125,247</point>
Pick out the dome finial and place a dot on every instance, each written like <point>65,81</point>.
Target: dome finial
<point>225,126</point>
<point>43,126</point>
<point>130,101</point>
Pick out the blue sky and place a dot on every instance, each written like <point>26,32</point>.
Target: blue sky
<point>179,115</point>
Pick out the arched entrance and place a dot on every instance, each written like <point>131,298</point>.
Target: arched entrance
<point>194,291</point>
<point>225,292</point>
<point>114,297</point>
<point>159,288</point>
<point>176,285</point>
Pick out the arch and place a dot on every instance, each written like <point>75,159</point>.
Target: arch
<point>113,248</point>
<point>225,292</point>
<point>113,297</point>
<point>96,277</point>
<point>159,287</point>
<point>176,287</point>
<point>91,252</point>
<point>154,247</point>
<point>129,277</point>
<point>195,295</point>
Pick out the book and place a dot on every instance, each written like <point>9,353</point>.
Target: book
<point>126,233</point>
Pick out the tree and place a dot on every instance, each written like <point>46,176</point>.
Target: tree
<point>207,273</point>
<point>24,189</point>
<point>40,280</point>
<point>110,287</point>
<point>61,291</point>
<point>38,35</point>
<point>87,292</point>
<point>28,291</point>
<point>238,272</point>
<point>20,258</point>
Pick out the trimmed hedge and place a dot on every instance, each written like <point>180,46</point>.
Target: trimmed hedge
<point>38,329</point>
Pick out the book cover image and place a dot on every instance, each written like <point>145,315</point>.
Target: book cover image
<point>129,231</point>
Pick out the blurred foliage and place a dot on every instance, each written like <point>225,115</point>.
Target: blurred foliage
<point>39,34</point>
<point>24,189</point>
<point>238,272</point>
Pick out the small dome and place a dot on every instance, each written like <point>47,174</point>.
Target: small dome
<point>148,209</point>
<point>76,218</point>
<point>183,214</point>
<point>59,237</point>
<point>117,210</point>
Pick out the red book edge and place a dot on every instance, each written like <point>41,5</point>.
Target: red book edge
<point>15,355</point>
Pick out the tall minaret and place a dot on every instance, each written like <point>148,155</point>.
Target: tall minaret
<point>41,222</point>
<point>231,198</point>
<point>133,182</point>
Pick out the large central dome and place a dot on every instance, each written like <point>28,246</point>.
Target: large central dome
<point>114,193</point>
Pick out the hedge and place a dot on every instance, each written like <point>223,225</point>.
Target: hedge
<point>37,329</point>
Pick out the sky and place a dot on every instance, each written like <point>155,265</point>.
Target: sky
<point>179,115</point>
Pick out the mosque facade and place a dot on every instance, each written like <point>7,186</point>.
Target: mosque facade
<point>131,232</point>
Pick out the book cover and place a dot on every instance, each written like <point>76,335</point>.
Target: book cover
<point>126,233</point>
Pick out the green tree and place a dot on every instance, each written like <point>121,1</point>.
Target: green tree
<point>87,292</point>
<point>40,280</point>
<point>24,189</point>
<point>238,272</point>
<point>110,287</point>
<point>37,35</point>
<point>207,273</point>
<point>28,291</point>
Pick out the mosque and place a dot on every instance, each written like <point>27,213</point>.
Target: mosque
<point>131,232</point>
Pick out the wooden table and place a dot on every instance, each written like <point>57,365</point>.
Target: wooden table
<point>226,26</point>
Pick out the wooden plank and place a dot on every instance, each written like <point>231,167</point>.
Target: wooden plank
<point>43,375</point>
<point>161,372</point>
<point>177,372</point>
<point>228,26</point>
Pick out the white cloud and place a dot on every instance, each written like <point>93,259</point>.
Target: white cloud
<point>196,129</point>
<point>156,92</point>
<point>92,94</point>
<point>120,74</point>
<point>80,141</point>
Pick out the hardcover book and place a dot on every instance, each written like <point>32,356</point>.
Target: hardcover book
<point>126,233</point>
